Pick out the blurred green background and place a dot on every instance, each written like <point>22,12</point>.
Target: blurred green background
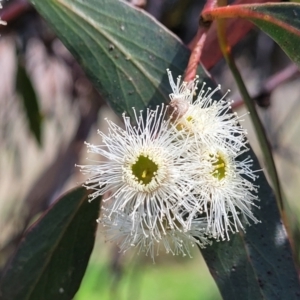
<point>111,275</point>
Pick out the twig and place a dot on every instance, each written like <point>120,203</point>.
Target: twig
<point>14,10</point>
<point>195,57</point>
<point>262,97</point>
<point>198,45</point>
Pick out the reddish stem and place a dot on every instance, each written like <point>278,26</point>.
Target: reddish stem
<point>14,10</point>
<point>195,57</point>
<point>247,12</point>
<point>198,44</point>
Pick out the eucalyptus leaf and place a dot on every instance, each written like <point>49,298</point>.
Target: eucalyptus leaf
<point>124,51</point>
<point>257,264</point>
<point>31,106</point>
<point>53,255</point>
<point>281,21</point>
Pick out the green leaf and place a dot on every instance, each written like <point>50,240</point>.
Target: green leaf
<point>53,255</point>
<point>124,51</point>
<point>257,264</point>
<point>25,88</point>
<point>281,21</point>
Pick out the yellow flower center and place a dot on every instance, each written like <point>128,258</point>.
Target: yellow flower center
<point>180,126</point>
<point>144,169</point>
<point>219,171</point>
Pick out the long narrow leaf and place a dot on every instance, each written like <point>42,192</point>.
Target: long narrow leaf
<point>52,257</point>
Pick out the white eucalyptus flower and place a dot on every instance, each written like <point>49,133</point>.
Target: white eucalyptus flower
<point>152,235</point>
<point>145,170</point>
<point>226,191</point>
<point>207,120</point>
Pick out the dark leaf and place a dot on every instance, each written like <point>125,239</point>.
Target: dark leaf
<point>25,88</point>
<point>282,22</point>
<point>124,51</point>
<point>257,264</point>
<point>53,255</point>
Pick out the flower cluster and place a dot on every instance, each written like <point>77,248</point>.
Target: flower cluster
<point>174,179</point>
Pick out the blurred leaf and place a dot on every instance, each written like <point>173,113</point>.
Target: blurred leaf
<point>25,88</point>
<point>281,21</point>
<point>122,49</point>
<point>53,255</point>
